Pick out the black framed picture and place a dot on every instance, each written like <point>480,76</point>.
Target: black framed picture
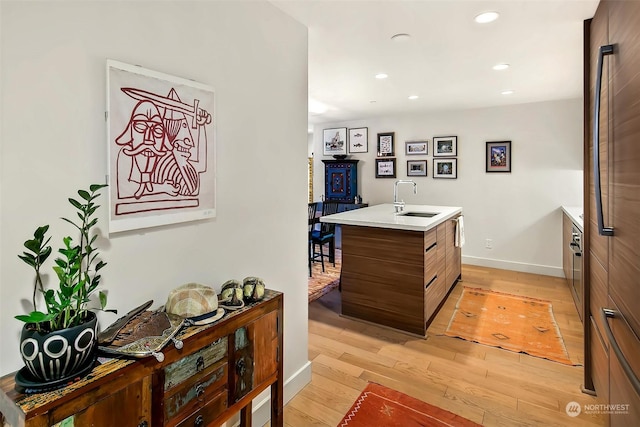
<point>358,140</point>
<point>445,146</point>
<point>416,148</point>
<point>416,168</point>
<point>445,168</point>
<point>385,144</point>
<point>386,168</point>
<point>498,156</point>
<point>334,141</point>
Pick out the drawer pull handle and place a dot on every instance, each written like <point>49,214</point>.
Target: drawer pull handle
<point>633,379</point>
<point>199,391</point>
<point>199,421</point>
<point>143,424</point>
<point>200,363</point>
<point>431,281</point>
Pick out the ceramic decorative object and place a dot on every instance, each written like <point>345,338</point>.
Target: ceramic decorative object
<point>59,354</point>
<point>253,289</point>
<point>231,295</point>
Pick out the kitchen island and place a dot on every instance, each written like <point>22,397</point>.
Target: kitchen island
<point>397,268</point>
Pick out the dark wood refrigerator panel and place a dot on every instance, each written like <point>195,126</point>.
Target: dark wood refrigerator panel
<point>624,257</point>
<point>612,140</point>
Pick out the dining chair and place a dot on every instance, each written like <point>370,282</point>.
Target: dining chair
<point>325,235</point>
<point>313,220</point>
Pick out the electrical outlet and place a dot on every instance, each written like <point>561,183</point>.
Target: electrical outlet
<point>488,244</point>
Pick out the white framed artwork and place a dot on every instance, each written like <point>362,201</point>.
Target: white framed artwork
<point>161,148</point>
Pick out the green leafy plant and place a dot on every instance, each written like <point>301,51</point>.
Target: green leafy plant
<point>76,268</point>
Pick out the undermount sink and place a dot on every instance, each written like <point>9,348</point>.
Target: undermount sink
<point>420,214</point>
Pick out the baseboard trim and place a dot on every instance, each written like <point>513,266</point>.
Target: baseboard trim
<point>295,383</point>
<point>546,270</point>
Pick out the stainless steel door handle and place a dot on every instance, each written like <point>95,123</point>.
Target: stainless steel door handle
<point>604,231</point>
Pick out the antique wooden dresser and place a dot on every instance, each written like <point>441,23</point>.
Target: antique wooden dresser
<point>219,370</point>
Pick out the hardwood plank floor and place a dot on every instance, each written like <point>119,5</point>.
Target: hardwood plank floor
<point>490,386</point>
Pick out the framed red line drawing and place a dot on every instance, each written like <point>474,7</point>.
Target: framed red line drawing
<point>161,148</point>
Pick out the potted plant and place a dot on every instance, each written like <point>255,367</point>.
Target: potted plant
<point>59,342</point>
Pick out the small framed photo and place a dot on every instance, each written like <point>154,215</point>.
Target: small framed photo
<point>358,140</point>
<point>334,141</point>
<point>385,168</point>
<point>416,148</point>
<point>445,168</point>
<point>445,146</point>
<point>385,144</point>
<point>416,168</point>
<point>499,156</point>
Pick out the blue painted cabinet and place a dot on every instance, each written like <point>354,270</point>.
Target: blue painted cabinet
<point>340,180</point>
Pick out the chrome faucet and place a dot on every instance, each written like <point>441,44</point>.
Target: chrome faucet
<point>399,205</point>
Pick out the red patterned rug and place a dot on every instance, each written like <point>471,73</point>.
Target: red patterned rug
<point>513,322</point>
<point>380,406</point>
<point>321,283</point>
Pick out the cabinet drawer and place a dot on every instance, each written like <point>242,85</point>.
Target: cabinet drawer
<point>209,412</point>
<point>431,262</point>
<point>430,238</point>
<point>194,393</point>
<point>188,366</point>
<point>433,295</point>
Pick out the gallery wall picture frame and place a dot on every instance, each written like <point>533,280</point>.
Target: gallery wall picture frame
<point>498,157</point>
<point>445,146</point>
<point>334,141</point>
<point>416,168</point>
<point>386,168</point>
<point>445,168</point>
<point>414,148</point>
<point>385,144</point>
<point>358,140</point>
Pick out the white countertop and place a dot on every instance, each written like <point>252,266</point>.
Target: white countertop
<point>574,212</point>
<point>384,216</point>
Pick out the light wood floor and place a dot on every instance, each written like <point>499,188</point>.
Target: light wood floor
<point>490,386</point>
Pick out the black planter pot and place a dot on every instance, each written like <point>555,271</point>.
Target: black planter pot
<point>59,355</point>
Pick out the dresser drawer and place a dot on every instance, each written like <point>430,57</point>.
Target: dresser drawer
<point>183,369</point>
<point>194,393</point>
<point>208,413</point>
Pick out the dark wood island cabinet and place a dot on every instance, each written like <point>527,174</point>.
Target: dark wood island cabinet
<point>397,270</point>
<point>221,368</point>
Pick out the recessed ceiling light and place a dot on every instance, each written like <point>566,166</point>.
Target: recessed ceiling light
<point>317,107</point>
<point>413,97</point>
<point>486,17</point>
<point>499,67</point>
<point>507,92</point>
<point>381,76</point>
<point>400,37</point>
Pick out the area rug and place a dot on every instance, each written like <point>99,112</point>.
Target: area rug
<point>321,283</point>
<point>512,322</point>
<point>380,406</point>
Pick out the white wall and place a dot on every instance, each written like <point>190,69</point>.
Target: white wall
<point>53,142</point>
<point>519,211</point>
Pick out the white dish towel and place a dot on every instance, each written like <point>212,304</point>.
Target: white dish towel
<point>459,234</point>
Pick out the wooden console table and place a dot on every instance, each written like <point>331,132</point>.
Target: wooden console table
<point>221,368</point>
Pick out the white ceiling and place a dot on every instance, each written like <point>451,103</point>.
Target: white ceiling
<point>447,61</point>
